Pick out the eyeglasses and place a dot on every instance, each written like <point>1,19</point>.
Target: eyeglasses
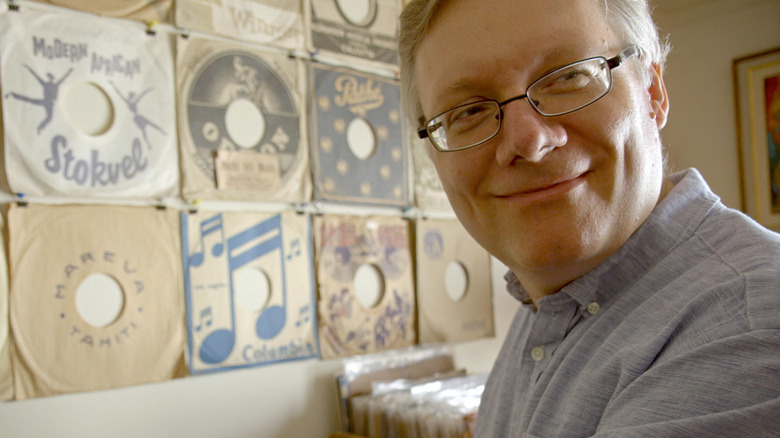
<point>562,91</point>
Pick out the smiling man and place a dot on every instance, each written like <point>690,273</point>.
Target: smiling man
<point>650,309</point>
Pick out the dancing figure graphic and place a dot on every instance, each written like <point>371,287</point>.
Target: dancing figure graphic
<point>51,88</point>
<point>142,122</point>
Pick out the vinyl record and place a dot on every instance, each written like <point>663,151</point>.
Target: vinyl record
<point>95,298</point>
<point>242,123</point>
<point>277,23</point>
<point>141,10</point>
<point>88,106</point>
<point>454,293</point>
<point>6,376</point>
<point>364,278</point>
<point>250,289</point>
<point>428,191</point>
<point>355,29</point>
<point>357,138</point>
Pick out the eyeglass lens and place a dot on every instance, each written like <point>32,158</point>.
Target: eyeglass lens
<point>560,92</point>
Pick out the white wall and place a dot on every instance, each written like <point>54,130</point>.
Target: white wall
<point>707,35</point>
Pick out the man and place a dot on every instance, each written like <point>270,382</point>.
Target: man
<point>650,309</point>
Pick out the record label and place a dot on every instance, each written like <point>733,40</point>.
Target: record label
<point>357,138</point>
<point>235,99</point>
<point>250,292</point>
<point>366,292</point>
<point>454,291</point>
<point>363,29</point>
<point>277,23</point>
<point>88,106</point>
<point>142,10</point>
<point>91,306</point>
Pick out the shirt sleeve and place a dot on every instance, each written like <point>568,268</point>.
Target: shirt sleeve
<point>729,387</point>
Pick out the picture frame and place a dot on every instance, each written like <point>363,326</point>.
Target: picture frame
<point>757,99</point>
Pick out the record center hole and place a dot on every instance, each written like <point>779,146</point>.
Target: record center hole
<point>252,289</point>
<point>89,109</point>
<point>369,285</point>
<point>361,138</point>
<point>99,300</point>
<point>355,11</point>
<point>245,123</point>
<point>456,280</point>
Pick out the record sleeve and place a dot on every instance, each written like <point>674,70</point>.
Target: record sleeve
<point>242,122</point>
<point>428,191</point>
<point>454,291</point>
<point>147,11</point>
<point>95,299</point>
<point>249,287</point>
<point>277,23</point>
<point>362,30</point>
<point>364,278</point>
<point>357,138</point>
<point>6,376</point>
<point>88,106</point>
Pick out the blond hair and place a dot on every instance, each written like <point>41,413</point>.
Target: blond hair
<point>631,20</point>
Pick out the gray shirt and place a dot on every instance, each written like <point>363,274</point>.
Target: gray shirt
<point>677,334</point>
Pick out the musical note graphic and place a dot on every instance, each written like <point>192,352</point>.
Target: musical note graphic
<point>303,315</point>
<point>207,227</point>
<point>243,248</point>
<point>205,319</point>
<point>295,249</point>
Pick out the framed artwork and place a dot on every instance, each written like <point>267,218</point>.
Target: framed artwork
<point>757,97</point>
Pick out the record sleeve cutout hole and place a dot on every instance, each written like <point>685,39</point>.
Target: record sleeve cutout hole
<point>357,12</point>
<point>369,285</point>
<point>99,300</point>
<point>456,280</point>
<point>252,288</point>
<point>245,123</point>
<point>361,138</point>
<point>89,109</point>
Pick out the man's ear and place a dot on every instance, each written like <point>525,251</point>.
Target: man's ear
<point>659,100</point>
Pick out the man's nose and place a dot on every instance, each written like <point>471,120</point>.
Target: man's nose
<point>527,135</point>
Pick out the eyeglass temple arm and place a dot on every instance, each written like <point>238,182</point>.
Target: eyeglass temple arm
<point>622,56</point>
<point>423,133</point>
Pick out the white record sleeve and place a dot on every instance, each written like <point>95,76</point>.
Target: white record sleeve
<point>143,10</point>
<point>277,23</point>
<point>88,106</point>
<point>242,123</point>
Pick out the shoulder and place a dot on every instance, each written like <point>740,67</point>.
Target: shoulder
<point>749,257</point>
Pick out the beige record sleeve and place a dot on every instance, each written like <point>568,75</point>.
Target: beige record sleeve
<point>364,278</point>
<point>142,10</point>
<point>242,123</point>
<point>454,292</point>
<point>276,23</point>
<point>96,297</point>
<point>428,191</point>
<point>6,376</point>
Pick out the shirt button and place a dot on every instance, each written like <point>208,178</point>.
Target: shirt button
<point>593,308</point>
<point>537,353</point>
